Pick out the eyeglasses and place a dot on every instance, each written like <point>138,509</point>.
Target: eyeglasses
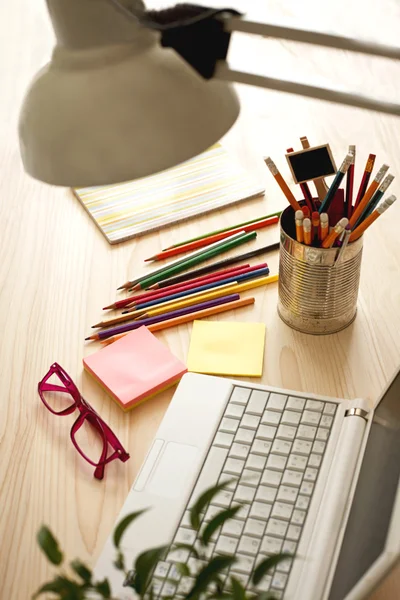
<point>67,394</point>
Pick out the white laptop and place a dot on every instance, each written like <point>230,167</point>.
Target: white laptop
<point>318,478</point>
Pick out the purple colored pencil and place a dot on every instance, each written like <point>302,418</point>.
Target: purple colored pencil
<point>105,333</point>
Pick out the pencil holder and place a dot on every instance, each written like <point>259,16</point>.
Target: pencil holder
<point>317,294</point>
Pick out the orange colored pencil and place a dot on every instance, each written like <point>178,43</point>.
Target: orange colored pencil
<point>336,231</point>
<point>368,195</point>
<point>200,314</point>
<point>358,231</point>
<point>211,239</point>
<point>282,184</point>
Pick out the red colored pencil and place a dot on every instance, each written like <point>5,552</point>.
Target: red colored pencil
<point>192,284</point>
<point>348,204</point>
<point>222,274</point>
<point>211,239</point>
<point>365,179</point>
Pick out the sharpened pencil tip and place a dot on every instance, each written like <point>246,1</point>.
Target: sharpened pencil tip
<point>109,307</point>
<point>150,259</point>
<point>89,338</point>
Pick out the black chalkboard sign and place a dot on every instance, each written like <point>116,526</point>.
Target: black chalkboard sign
<point>311,163</point>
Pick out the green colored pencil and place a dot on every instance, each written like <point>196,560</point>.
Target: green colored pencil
<point>195,260</point>
<point>210,233</point>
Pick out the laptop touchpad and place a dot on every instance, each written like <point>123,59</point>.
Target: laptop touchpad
<point>174,470</point>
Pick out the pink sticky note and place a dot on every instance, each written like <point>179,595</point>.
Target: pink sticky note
<point>134,368</point>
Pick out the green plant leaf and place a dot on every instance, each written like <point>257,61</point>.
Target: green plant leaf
<point>144,566</point>
<point>203,501</point>
<point>80,569</point>
<point>122,525</point>
<point>210,573</point>
<point>183,569</point>
<point>266,565</point>
<point>103,588</point>
<point>49,545</point>
<point>217,522</point>
<point>238,591</point>
<point>188,547</point>
<point>65,588</point>
<point>119,562</point>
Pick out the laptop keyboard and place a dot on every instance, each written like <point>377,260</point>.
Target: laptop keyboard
<point>273,445</point>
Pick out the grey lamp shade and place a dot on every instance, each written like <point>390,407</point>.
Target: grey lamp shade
<point>112,105</point>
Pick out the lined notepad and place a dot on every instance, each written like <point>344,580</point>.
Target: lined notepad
<point>207,182</point>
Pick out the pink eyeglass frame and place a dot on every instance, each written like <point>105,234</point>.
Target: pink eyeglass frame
<point>86,413</point>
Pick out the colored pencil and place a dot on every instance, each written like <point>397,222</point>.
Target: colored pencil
<point>204,288</point>
<point>282,183</point>
<point>307,231</point>
<point>228,244</point>
<point>216,266</point>
<point>299,217</point>
<point>225,229</point>
<point>200,314</point>
<point>335,184</point>
<point>185,286</point>
<point>356,233</point>
<point>104,333</point>
<point>306,190</point>
<point>207,241</point>
<point>365,179</point>
<point>180,261</point>
<point>373,203</point>
<point>348,204</point>
<point>336,231</point>
<point>368,195</point>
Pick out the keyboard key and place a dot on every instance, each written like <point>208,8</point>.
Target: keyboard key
<point>244,564</point>
<point>265,494</point>
<point>276,402</point>
<point>240,395</point>
<point>255,527</point>
<point>293,532</point>
<point>256,462</point>
<point>250,477</point>
<point>291,477</point>
<point>157,586</point>
<point>234,410</point>
<point>264,584</point>
<point>233,527</point>
<point>295,403</point>
<point>302,447</point>
<point>307,488</point>
<point>229,425</point>
<point>212,512</point>
<point>326,421</point>
<point>244,579</point>
<point>195,565</point>
<point>244,493</point>
<point>174,574</point>
<point>271,545</point>
<point>279,581</point>
<point>329,408</point>
<point>302,502</point>
<point>314,460</point>
<point>310,474</point>
<point>298,516</point>
<point>297,462</point>
<point>266,432</point>
<point>277,527</point>
<point>234,466</point>
<point>239,450</point>
<point>281,447</point>
<point>243,512</point>
<point>178,555</point>
<point>249,545</point>
<point>271,417</point>
<point>226,544</point>
<point>306,432</point>
<point>281,510</point>
<point>162,569</point>
<point>270,477</point>
<point>223,439</point>
<point>261,447</point>
<point>168,589</point>
<point>208,550</point>
<point>250,421</point>
<point>286,432</point>
<point>231,486</point>
<point>257,402</point>
<point>223,498</point>
<point>284,566</point>
<point>185,585</point>
<point>287,494</point>
<point>322,434</point>
<point>185,536</point>
<point>290,417</point>
<point>276,461</point>
<point>244,436</point>
<point>319,447</point>
<point>310,417</point>
<point>260,510</point>
<point>289,546</point>
<point>315,405</point>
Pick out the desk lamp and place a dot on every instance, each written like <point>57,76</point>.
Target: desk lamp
<point>130,92</point>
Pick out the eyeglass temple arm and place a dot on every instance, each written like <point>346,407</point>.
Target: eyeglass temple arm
<point>203,41</point>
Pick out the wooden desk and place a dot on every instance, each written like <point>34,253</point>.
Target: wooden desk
<point>57,271</point>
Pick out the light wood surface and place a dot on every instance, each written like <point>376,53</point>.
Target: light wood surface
<point>57,271</point>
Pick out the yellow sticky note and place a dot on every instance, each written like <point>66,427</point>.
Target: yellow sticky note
<point>227,348</point>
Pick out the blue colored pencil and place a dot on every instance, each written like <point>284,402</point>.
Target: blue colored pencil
<point>202,288</point>
<point>335,184</point>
